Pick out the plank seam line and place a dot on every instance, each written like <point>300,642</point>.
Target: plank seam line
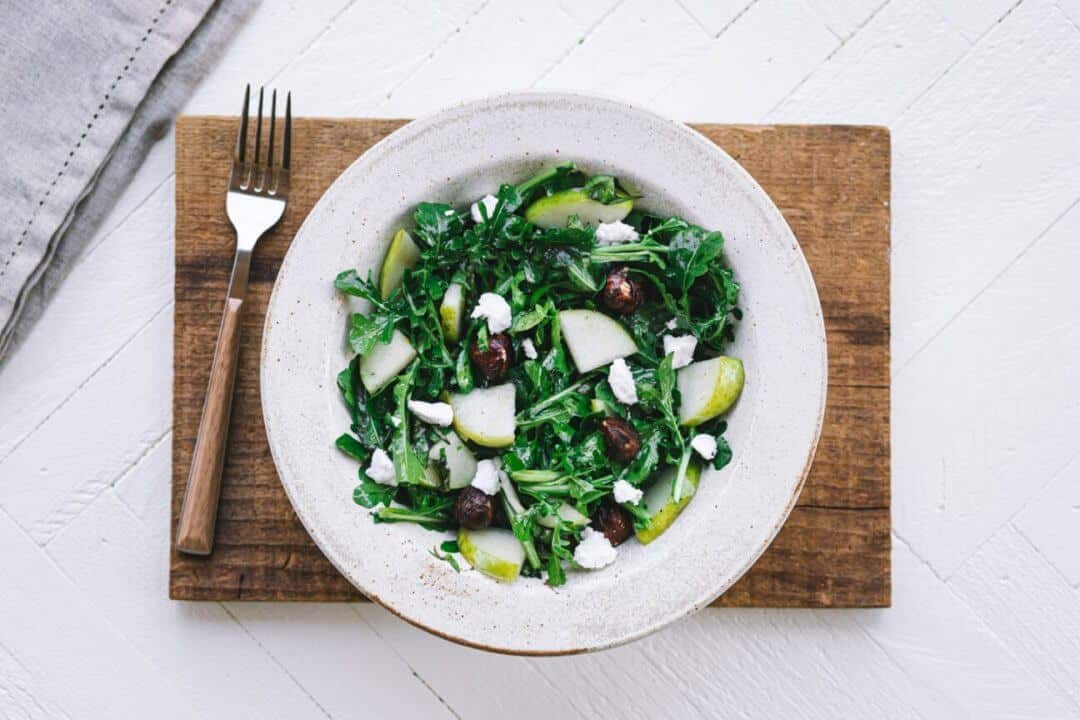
<point>972,44</point>
<point>67,399</point>
<point>1063,11</point>
<point>277,662</point>
<point>990,283</point>
<point>1040,553</point>
<point>434,51</point>
<point>835,50</point>
<point>945,700</point>
<point>124,220</point>
<point>49,527</point>
<point>41,709</point>
<point>531,662</point>
<point>845,508</point>
<point>735,19</point>
<point>403,659</point>
<point>570,51</point>
<point>311,43</point>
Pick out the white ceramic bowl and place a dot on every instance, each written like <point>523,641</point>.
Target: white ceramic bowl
<point>456,156</point>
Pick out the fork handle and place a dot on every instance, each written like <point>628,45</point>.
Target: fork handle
<point>198,515</point>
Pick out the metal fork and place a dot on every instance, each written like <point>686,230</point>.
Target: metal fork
<point>255,201</point>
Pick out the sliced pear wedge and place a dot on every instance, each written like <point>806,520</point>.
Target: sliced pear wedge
<point>568,513</point>
<point>452,312</point>
<point>709,388</point>
<point>400,256</point>
<point>660,504</point>
<point>555,210</point>
<point>594,339</point>
<point>493,551</point>
<point>486,415</point>
<point>385,361</point>
<point>460,462</point>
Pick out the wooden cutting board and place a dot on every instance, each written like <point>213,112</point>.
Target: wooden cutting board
<point>832,184</point>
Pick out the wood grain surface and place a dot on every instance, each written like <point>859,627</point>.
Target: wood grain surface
<point>831,182</point>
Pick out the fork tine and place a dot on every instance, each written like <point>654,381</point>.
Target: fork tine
<point>241,139</point>
<point>273,119</point>
<point>258,128</point>
<point>287,146</point>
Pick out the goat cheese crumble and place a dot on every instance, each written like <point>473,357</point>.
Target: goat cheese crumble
<point>625,492</point>
<point>486,477</point>
<point>489,202</point>
<point>704,445</point>
<point>615,233</point>
<point>495,309</point>
<point>437,413</point>
<point>622,382</point>
<point>381,469</point>
<point>594,551</point>
<point>672,324</point>
<point>529,349</point>
<point>683,347</point>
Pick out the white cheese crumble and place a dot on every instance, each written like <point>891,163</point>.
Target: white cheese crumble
<point>381,469</point>
<point>489,202</point>
<point>622,382</point>
<point>495,309</point>
<point>437,413</point>
<point>671,324</point>
<point>683,347</point>
<point>625,492</point>
<point>529,348</point>
<point>486,477</point>
<point>615,233</point>
<point>704,445</point>
<point>594,551</point>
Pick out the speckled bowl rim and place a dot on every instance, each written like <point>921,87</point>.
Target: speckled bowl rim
<point>410,132</point>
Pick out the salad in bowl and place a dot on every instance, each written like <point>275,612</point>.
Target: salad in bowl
<point>543,372</point>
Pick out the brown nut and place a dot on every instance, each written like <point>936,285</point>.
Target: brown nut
<point>474,508</point>
<point>622,294</point>
<point>493,363</point>
<point>614,521</point>
<point>621,439</point>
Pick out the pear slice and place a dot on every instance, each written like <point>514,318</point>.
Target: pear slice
<point>486,415</point>
<point>594,338</point>
<point>555,210</point>
<point>493,551</point>
<point>452,312</point>
<point>460,462</point>
<point>568,513</point>
<point>400,256</point>
<point>660,504</point>
<point>385,361</point>
<point>709,388</point>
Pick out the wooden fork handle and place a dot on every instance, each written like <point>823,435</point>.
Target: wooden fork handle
<point>198,514</point>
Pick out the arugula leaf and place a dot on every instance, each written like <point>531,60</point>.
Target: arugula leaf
<point>408,468</point>
<point>693,250</point>
<point>370,493</point>
<point>352,447</point>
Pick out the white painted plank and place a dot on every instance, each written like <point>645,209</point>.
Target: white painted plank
<point>1051,521</point>
<point>101,305</point>
<point>879,72</point>
<point>986,160</point>
<point>120,563</point>
<point>751,67</point>
<point>22,696</point>
<point>339,659</point>
<point>715,15</point>
<point>102,430</point>
<point>845,17</point>
<point>938,642</point>
<point>984,417</point>
<point>975,17</point>
<point>505,46</point>
<point>624,55</point>
<point>751,662</point>
<point>1027,604</point>
<point>72,659</point>
<point>370,49</point>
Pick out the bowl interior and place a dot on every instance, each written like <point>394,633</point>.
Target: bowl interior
<point>457,156</point>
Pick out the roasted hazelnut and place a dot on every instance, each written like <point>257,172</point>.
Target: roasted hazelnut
<point>474,508</point>
<point>493,363</point>
<point>621,439</point>
<point>613,521</point>
<point>622,294</point>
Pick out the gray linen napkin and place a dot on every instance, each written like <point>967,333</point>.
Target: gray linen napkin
<point>86,87</point>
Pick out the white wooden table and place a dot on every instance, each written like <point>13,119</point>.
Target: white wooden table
<point>983,99</point>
